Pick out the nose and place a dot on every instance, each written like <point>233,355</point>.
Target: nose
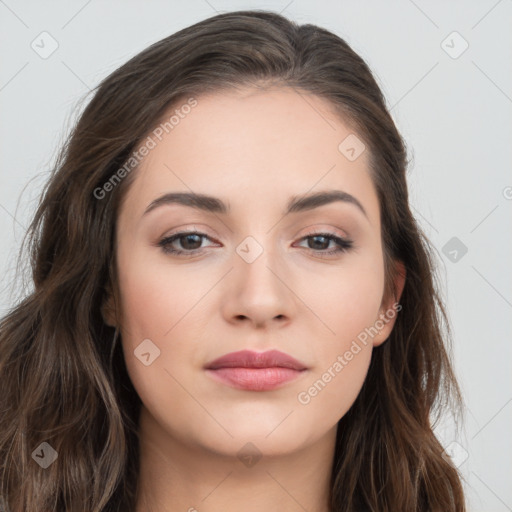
<point>257,293</point>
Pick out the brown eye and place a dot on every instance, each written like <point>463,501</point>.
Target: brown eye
<point>190,242</point>
<point>319,242</point>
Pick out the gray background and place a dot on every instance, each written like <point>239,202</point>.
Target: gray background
<point>453,109</point>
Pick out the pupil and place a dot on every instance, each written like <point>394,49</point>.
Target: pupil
<point>188,237</point>
<point>322,244</point>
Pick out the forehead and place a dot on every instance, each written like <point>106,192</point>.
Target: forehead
<point>252,147</point>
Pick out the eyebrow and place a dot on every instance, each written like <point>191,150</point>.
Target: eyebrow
<point>215,205</point>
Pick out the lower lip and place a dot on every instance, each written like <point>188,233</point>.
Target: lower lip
<point>255,379</point>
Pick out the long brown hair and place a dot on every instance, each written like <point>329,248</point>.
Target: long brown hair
<point>63,376</point>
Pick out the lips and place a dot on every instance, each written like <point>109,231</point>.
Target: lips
<point>249,359</point>
<point>254,371</point>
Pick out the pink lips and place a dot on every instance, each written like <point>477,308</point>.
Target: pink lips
<point>255,371</point>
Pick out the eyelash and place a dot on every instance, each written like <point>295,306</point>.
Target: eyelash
<point>344,244</point>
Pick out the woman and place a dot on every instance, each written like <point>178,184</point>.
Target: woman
<point>294,362</point>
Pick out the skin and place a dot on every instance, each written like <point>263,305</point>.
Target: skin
<point>253,149</point>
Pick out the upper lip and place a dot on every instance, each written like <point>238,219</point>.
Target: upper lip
<point>250,359</point>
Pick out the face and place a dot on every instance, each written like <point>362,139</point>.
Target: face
<point>307,282</point>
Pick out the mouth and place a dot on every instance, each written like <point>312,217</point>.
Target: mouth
<point>253,371</point>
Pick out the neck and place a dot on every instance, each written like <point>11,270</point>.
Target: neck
<point>176,475</point>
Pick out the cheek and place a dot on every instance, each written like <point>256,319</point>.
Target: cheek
<point>346,300</point>
<point>154,297</point>
<point>348,304</point>
<point>158,304</point>
<point>334,388</point>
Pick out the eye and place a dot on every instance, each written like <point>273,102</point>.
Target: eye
<point>189,240</point>
<point>321,241</point>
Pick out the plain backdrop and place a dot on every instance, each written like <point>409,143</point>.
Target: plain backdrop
<point>445,69</point>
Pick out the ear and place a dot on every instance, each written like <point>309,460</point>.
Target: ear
<point>108,310</point>
<point>390,307</point>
